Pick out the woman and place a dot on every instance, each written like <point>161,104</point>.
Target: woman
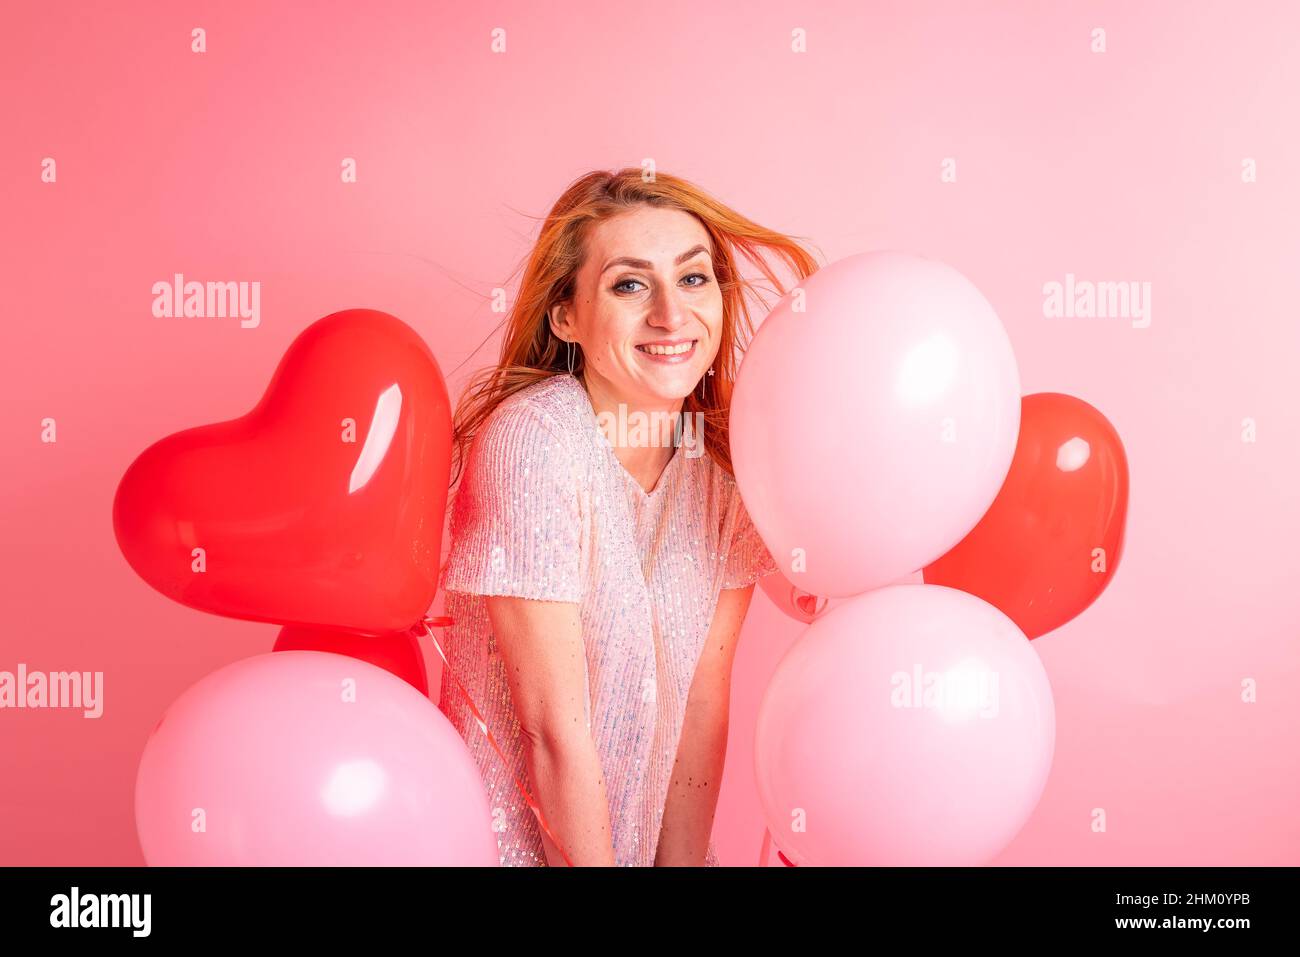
<point>601,559</point>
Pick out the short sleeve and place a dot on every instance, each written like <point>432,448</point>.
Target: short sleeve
<point>515,526</point>
<point>748,559</point>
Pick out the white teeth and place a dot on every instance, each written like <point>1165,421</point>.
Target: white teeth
<point>680,349</point>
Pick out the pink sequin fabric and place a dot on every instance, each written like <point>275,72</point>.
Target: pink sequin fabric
<point>545,510</point>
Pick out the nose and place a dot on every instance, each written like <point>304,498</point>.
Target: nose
<point>670,312</point>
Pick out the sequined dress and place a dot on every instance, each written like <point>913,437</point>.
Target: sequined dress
<point>545,510</point>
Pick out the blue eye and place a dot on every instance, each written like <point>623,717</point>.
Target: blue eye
<point>703,280</point>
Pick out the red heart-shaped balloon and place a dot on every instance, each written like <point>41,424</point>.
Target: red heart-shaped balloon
<point>398,653</point>
<point>323,506</point>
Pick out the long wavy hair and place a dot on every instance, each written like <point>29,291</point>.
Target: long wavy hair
<point>530,350</point>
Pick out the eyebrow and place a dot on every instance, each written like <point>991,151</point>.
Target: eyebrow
<point>645,264</point>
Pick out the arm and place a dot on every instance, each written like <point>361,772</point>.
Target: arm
<point>542,649</point>
<point>702,751</point>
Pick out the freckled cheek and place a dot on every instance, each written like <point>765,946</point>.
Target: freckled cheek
<point>712,319</point>
<point>605,354</point>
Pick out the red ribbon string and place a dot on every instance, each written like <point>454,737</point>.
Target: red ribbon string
<point>764,852</point>
<point>444,622</point>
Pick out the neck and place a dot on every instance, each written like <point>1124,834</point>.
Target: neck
<point>640,430</point>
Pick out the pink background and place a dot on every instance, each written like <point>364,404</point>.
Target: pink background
<point>1118,166</point>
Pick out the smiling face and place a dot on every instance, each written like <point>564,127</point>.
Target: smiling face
<point>646,308</point>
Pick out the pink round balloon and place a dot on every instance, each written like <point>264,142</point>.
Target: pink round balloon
<point>303,758</point>
<point>794,602</point>
<point>874,420</point>
<point>805,607</point>
<point>910,726</point>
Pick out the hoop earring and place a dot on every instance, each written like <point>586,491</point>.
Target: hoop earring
<point>570,345</point>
